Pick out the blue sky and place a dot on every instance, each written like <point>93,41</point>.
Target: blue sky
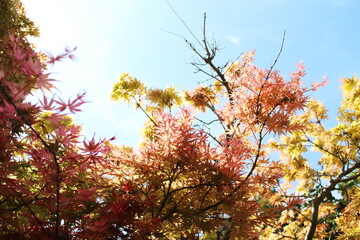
<point>115,36</point>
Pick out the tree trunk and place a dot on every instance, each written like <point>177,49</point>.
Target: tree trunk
<point>314,219</point>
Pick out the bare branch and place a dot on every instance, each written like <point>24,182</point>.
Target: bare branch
<point>184,23</point>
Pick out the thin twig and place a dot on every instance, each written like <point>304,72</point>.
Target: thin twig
<point>184,23</point>
<point>143,110</point>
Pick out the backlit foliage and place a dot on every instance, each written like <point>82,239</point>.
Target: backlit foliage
<point>182,181</point>
<point>330,186</point>
<point>198,184</point>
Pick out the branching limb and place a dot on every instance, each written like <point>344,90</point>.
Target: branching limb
<point>54,156</point>
<point>26,204</point>
<point>324,194</point>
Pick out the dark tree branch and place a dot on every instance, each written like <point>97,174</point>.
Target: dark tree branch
<point>324,194</point>
<point>51,151</point>
<point>26,204</point>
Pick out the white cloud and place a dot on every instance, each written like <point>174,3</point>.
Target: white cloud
<point>233,39</point>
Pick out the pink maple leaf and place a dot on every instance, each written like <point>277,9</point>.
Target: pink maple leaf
<point>44,82</point>
<point>46,104</point>
<point>55,118</point>
<point>92,146</point>
<point>19,54</point>
<point>300,65</point>
<point>67,53</point>
<point>76,103</point>
<point>62,105</point>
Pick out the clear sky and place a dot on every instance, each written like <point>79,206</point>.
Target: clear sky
<point>115,36</point>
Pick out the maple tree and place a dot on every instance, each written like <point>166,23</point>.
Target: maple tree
<point>330,186</point>
<point>182,182</point>
<point>53,181</point>
<point>250,105</point>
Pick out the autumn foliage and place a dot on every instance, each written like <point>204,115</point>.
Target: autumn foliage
<point>182,182</point>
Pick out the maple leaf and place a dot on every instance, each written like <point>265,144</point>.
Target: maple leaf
<point>19,54</point>
<point>56,118</point>
<point>300,65</point>
<point>68,53</point>
<point>44,82</point>
<point>46,104</point>
<point>74,105</point>
<point>92,146</point>
<point>62,105</point>
<point>184,180</point>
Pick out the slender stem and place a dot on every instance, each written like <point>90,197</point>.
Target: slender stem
<point>143,110</point>
<point>26,204</point>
